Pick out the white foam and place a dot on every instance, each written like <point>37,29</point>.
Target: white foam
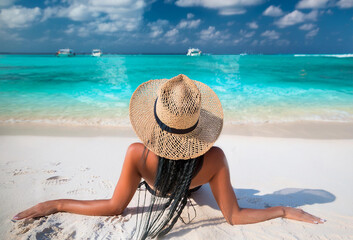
<point>95,122</point>
<point>348,55</point>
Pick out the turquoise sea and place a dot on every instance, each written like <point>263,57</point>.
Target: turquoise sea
<point>84,90</point>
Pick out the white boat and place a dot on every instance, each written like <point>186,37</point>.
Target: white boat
<point>193,52</point>
<point>65,52</point>
<point>96,53</point>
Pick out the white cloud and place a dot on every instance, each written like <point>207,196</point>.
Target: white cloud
<point>114,10</point>
<point>212,34</point>
<point>253,25</point>
<point>157,28</point>
<point>254,43</point>
<point>103,16</point>
<point>273,11</point>
<point>225,7</point>
<point>237,41</point>
<point>217,4</point>
<point>6,3</point>
<point>312,4</point>
<point>244,37</point>
<point>49,12</point>
<point>307,26</point>
<point>19,17</point>
<point>172,33</point>
<point>163,31</point>
<point>296,17</point>
<point>156,33</point>
<point>312,33</point>
<point>83,31</point>
<point>247,34</point>
<point>190,15</point>
<point>270,34</point>
<point>186,40</point>
<point>106,27</point>
<point>189,24</point>
<point>345,3</point>
<point>80,12</point>
<point>231,11</point>
<point>171,36</point>
<point>209,33</point>
<point>10,36</point>
<point>100,26</point>
<point>70,29</point>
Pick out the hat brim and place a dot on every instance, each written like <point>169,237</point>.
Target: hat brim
<point>170,145</point>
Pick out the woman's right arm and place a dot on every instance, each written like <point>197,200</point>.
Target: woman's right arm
<point>227,201</point>
<point>124,191</point>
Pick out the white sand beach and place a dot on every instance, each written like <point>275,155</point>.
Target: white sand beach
<point>314,174</point>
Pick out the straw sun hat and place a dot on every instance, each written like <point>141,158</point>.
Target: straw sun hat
<point>176,118</point>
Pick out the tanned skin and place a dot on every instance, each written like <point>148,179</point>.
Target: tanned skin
<point>214,171</point>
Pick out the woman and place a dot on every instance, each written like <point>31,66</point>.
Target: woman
<point>178,121</point>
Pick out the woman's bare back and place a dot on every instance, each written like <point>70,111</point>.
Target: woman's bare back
<point>147,167</point>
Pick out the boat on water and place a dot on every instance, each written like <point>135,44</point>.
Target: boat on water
<point>96,53</point>
<point>65,52</point>
<point>193,52</point>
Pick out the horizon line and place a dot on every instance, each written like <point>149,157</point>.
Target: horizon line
<point>117,53</point>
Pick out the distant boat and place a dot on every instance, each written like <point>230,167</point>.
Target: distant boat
<point>65,52</point>
<point>96,53</point>
<point>193,52</point>
<point>243,54</point>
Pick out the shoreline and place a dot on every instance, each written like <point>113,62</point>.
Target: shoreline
<point>302,130</point>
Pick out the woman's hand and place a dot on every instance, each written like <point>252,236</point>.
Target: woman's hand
<point>300,215</point>
<point>39,210</point>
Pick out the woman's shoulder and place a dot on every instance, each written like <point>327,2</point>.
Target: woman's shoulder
<point>215,152</point>
<point>140,152</point>
<point>215,157</point>
<point>135,151</point>
<point>136,146</point>
<point>214,160</point>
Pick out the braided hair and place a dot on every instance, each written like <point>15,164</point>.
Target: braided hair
<point>171,190</point>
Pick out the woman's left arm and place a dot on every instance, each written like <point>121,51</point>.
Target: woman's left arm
<point>123,193</point>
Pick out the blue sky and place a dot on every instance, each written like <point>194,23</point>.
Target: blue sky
<point>171,26</point>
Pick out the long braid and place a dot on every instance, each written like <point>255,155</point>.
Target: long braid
<point>172,189</point>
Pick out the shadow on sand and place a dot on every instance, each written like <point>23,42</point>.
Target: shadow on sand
<point>248,198</point>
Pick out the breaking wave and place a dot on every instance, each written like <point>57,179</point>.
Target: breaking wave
<point>349,55</point>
